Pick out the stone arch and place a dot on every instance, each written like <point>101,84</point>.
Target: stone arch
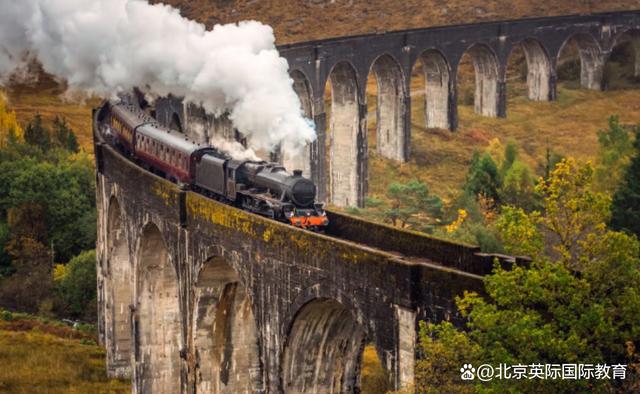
<point>120,294</point>
<point>485,65</point>
<point>225,333</point>
<point>158,336</point>
<point>538,70</point>
<point>591,60</point>
<point>323,349</point>
<point>620,71</point>
<point>390,108</point>
<point>436,77</point>
<point>344,140</point>
<point>175,123</point>
<point>633,37</point>
<point>300,160</point>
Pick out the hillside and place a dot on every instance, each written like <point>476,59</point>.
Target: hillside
<point>40,356</point>
<point>42,94</point>
<point>302,20</point>
<point>567,126</point>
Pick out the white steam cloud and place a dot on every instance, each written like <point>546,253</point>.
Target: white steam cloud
<point>234,149</point>
<point>106,47</point>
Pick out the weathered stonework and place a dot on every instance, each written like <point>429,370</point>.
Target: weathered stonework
<point>203,297</point>
<point>196,296</point>
<point>339,158</point>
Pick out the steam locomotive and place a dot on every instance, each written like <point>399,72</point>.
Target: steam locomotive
<point>257,186</point>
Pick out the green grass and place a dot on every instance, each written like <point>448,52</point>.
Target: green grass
<point>37,357</point>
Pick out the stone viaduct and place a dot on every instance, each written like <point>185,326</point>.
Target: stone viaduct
<point>338,160</point>
<point>196,296</point>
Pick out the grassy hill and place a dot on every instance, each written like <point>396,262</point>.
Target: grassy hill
<point>567,126</point>
<point>302,20</point>
<point>45,95</point>
<point>40,356</point>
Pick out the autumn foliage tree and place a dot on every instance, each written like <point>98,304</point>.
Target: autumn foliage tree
<point>578,301</point>
<point>47,211</point>
<point>9,127</point>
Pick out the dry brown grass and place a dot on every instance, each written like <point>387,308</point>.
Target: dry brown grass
<point>36,361</point>
<point>373,378</point>
<point>46,97</point>
<point>567,126</point>
<point>303,20</point>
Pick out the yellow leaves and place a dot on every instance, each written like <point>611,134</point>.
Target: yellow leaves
<point>572,209</point>
<point>519,231</point>
<point>8,123</point>
<point>455,225</point>
<point>59,272</point>
<point>496,150</point>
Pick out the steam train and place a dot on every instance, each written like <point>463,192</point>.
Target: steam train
<point>257,186</point>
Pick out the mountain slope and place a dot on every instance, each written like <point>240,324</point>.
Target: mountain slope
<point>302,20</point>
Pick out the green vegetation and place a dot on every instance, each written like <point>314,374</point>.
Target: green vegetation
<point>616,146</point>
<point>499,183</point>
<point>409,205</point>
<point>578,301</point>
<point>75,283</point>
<point>626,201</point>
<point>47,215</point>
<point>44,356</point>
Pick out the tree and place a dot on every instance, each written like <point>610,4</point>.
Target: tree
<point>37,135</point>
<point>483,177</point>
<point>412,205</point>
<point>64,136</point>
<point>625,210</point>
<point>510,157</point>
<point>517,186</point>
<point>573,212</point>
<point>6,268</point>
<point>9,127</point>
<point>76,287</point>
<point>614,156</point>
<point>577,301</point>
<point>551,159</point>
<point>407,205</point>
<point>29,287</point>
<point>64,190</point>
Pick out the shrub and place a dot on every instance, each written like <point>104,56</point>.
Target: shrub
<point>77,288</point>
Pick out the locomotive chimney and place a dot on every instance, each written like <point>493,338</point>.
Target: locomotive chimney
<point>297,172</point>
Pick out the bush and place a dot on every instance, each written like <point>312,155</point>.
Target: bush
<point>77,288</point>
<point>6,315</point>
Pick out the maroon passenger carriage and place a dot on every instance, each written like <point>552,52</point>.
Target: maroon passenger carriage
<point>163,151</point>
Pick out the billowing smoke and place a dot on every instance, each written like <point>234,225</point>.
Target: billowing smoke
<point>106,47</point>
<point>234,149</point>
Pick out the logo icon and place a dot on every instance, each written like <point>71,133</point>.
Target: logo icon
<point>467,372</point>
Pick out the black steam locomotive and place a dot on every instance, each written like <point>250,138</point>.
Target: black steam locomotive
<point>257,186</point>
